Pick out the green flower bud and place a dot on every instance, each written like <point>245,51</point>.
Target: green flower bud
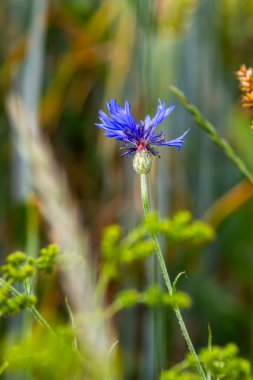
<point>142,162</point>
<point>17,258</point>
<point>47,258</point>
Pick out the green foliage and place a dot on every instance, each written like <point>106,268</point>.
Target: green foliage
<point>221,362</point>
<point>14,304</point>
<point>136,245</point>
<point>139,250</point>
<point>47,258</point>
<point>110,241</point>
<point>224,363</point>
<point>16,259</point>
<point>181,299</point>
<point>180,228</point>
<point>174,376</point>
<point>127,298</point>
<point>47,356</point>
<point>152,297</point>
<point>17,274</point>
<point>19,269</point>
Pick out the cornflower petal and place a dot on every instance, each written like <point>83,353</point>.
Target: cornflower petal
<point>161,114</point>
<point>128,152</point>
<point>122,117</point>
<point>137,137</point>
<point>178,142</point>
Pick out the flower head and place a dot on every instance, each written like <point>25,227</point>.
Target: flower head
<point>137,136</point>
<point>245,77</point>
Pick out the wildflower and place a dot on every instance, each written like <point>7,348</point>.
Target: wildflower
<point>137,137</point>
<point>245,77</point>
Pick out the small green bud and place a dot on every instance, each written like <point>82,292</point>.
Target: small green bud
<point>17,258</point>
<point>110,270</point>
<point>180,299</point>
<point>142,162</point>
<point>110,241</point>
<point>53,250</point>
<point>47,258</point>
<point>127,298</point>
<point>152,296</point>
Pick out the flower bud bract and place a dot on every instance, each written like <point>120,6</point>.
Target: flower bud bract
<point>142,162</point>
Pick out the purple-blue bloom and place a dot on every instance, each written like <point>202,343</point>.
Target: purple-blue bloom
<point>137,137</point>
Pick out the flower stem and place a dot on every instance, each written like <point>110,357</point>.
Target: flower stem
<point>147,210</point>
<point>41,320</point>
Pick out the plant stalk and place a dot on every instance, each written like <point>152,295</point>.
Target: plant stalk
<point>212,133</point>
<point>147,210</point>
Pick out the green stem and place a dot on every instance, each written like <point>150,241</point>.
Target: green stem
<point>212,133</point>
<point>73,323</point>
<point>147,210</point>
<point>41,320</point>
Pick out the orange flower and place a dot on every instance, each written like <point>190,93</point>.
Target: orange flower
<point>245,77</point>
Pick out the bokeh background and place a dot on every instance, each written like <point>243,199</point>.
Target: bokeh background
<point>65,59</point>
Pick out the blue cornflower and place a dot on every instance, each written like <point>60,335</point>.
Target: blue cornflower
<point>137,137</point>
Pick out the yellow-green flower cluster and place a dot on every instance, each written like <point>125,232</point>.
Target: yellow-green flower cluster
<point>221,362</point>
<point>152,297</point>
<point>118,250</point>
<point>180,228</point>
<point>14,304</point>
<point>18,268</point>
<point>47,258</point>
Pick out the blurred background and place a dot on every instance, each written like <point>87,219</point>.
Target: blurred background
<point>65,59</point>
